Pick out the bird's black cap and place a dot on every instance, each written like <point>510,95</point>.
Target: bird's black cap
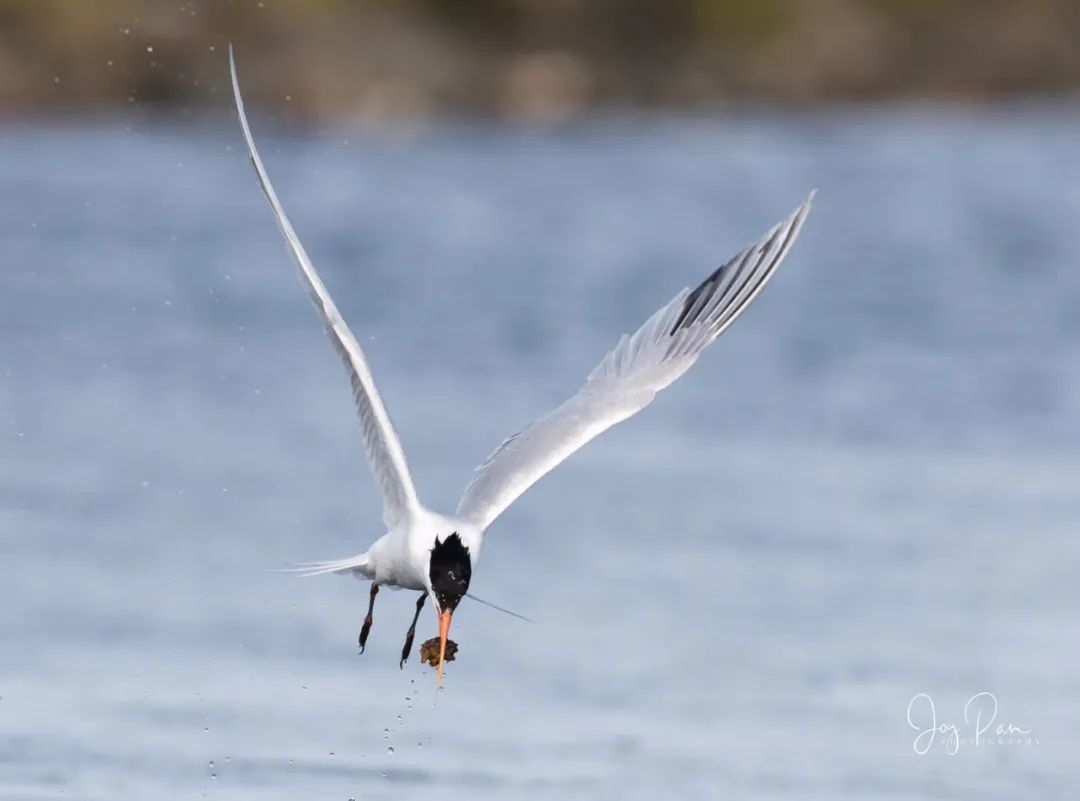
<point>450,571</point>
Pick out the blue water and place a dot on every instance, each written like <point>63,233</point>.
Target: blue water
<point>867,490</point>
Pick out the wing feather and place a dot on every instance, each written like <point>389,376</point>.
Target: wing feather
<point>381,444</point>
<point>628,378</point>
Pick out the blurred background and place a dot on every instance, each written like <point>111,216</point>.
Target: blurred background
<point>864,492</point>
<point>531,59</point>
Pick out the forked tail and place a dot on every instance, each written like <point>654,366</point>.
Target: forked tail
<point>354,564</point>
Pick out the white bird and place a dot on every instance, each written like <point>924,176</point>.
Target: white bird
<point>435,553</point>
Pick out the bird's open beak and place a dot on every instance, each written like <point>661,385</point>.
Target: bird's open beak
<point>444,634</point>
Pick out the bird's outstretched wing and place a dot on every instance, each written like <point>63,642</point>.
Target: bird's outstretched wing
<point>629,377</point>
<point>384,451</point>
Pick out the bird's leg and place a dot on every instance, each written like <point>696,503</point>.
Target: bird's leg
<point>366,628</point>
<point>412,630</point>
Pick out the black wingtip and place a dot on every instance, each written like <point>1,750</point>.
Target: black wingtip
<point>730,273</point>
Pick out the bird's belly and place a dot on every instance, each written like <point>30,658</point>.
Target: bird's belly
<point>400,582</point>
<point>398,575</point>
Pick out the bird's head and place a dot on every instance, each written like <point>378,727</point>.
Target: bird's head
<point>449,572</point>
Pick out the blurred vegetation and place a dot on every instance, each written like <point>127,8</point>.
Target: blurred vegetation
<point>536,59</point>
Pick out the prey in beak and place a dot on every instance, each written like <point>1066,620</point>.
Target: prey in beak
<point>439,650</point>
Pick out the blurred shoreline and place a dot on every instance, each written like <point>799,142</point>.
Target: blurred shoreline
<point>414,60</point>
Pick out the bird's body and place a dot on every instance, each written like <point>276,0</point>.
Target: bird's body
<point>399,557</point>
<point>436,554</point>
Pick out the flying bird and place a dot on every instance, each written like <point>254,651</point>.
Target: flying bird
<point>435,554</point>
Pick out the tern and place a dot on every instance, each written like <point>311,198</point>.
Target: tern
<point>436,554</point>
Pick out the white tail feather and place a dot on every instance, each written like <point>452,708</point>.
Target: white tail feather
<point>354,564</point>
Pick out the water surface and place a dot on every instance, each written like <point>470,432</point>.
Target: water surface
<point>866,491</point>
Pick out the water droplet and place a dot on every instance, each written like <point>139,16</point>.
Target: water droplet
<point>149,48</point>
<point>390,749</point>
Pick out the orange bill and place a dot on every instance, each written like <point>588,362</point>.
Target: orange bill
<point>444,634</point>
